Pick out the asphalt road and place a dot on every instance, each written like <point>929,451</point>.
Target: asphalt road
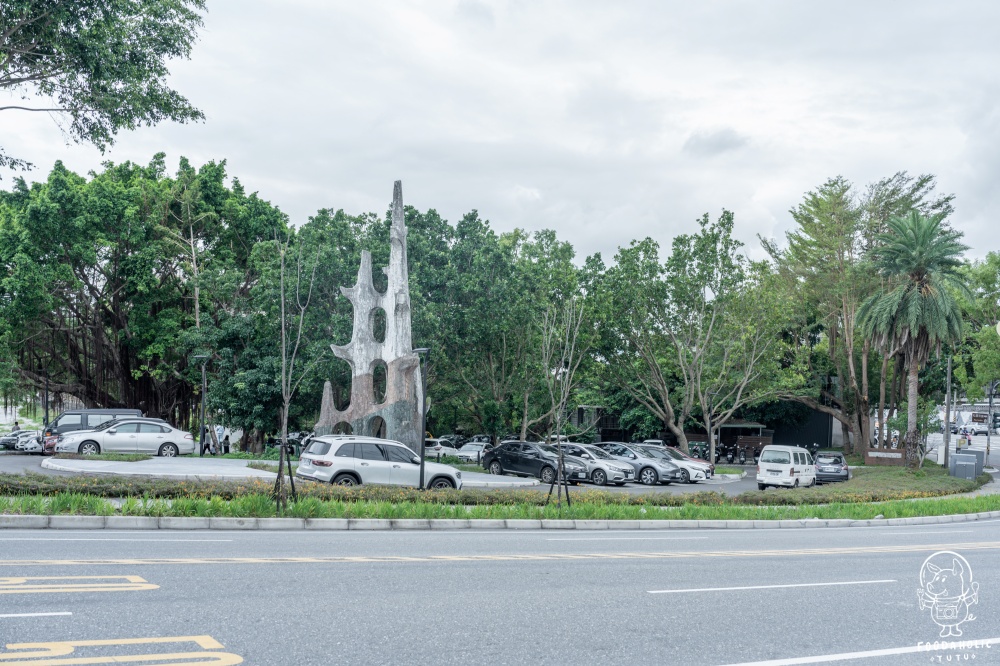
<point>467,597</point>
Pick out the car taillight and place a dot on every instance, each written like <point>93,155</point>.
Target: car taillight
<point>758,469</point>
<point>322,463</point>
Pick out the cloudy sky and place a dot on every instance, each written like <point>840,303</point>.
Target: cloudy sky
<point>606,121</point>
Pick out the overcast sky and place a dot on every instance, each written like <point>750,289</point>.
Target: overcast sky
<point>606,121</point>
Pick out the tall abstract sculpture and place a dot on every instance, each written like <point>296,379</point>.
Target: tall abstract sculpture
<point>397,416</point>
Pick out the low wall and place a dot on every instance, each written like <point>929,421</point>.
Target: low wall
<point>888,457</point>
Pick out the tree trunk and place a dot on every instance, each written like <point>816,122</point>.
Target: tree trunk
<point>912,436</point>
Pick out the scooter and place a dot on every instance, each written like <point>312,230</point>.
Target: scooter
<point>743,456</point>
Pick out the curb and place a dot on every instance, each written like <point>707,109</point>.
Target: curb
<point>67,522</point>
<point>735,477</point>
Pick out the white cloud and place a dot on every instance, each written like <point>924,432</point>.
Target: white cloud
<point>605,121</point>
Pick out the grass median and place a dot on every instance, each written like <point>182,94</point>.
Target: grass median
<point>263,506</point>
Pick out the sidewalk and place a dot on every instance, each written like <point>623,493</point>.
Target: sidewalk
<point>225,469</point>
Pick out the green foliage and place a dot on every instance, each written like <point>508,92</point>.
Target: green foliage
<point>102,64</point>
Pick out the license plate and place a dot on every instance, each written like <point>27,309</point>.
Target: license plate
<point>581,475</point>
<point>775,473</point>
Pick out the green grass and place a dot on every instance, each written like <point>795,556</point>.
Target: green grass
<point>263,506</point>
<point>114,457</point>
<point>268,454</point>
<point>728,470</point>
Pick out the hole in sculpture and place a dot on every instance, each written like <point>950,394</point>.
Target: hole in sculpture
<point>343,428</point>
<point>341,381</point>
<point>377,427</point>
<point>378,324</point>
<point>380,378</point>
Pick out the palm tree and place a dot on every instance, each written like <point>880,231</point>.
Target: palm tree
<point>915,310</point>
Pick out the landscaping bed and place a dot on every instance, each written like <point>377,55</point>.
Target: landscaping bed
<point>110,457</point>
<point>263,506</point>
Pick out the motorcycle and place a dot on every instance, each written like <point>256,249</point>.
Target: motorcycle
<point>743,456</point>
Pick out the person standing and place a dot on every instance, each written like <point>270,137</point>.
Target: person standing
<point>16,428</point>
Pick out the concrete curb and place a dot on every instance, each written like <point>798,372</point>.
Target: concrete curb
<point>735,477</point>
<point>67,522</point>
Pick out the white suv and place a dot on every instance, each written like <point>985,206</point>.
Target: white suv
<point>787,466</point>
<point>352,461</point>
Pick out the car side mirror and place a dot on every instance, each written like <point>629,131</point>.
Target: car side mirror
<point>112,431</point>
<point>415,460</point>
<point>632,456</point>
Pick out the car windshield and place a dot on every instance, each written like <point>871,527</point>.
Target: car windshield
<point>670,453</point>
<point>652,452</point>
<point>597,453</point>
<point>828,460</point>
<point>777,457</point>
<point>548,448</point>
<point>472,447</point>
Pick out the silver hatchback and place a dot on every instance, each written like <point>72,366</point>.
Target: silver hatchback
<point>352,461</point>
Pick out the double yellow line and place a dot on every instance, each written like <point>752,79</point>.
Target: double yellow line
<point>48,584</point>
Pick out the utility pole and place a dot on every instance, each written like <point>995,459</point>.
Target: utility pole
<point>204,386</point>
<point>989,418</point>
<point>947,417</point>
<point>422,353</point>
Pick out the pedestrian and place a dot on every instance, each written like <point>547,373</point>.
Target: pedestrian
<point>16,427</point>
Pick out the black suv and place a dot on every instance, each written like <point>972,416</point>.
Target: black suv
<point>530,459</point>
<point>85,419</point>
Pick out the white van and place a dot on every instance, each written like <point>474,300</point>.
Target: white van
<point>788,466</point>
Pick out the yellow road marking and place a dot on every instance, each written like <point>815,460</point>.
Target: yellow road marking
<point>49,584</point>
<point>51,653</point>
<point>863,550</point>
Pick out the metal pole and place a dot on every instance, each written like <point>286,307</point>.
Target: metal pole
<point>947,415</point>
<point>989,420</point>
<point>423,413</point>
<point>46,397</point>
<point>204,386</point>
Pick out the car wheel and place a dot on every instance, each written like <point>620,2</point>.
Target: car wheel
<point>648,476</point>
<point>685,476</point>
<point>547,475</point>
<point>796,484</point>
<point>89,448</point>
<point>345,480</point>
<point>812,483</point>
<point>599,477</point>
<point>442,483</point>
<point>761,486</point>
<point>168,451</point>
<point>495,468</point>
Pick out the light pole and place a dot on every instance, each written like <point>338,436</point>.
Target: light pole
<point>989,414</point>
<point>711,439</point>
<point>422,354</point>
<point>947,415</point>
<point>204,385</point>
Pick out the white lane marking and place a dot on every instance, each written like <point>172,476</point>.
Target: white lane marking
<point>137,540</point>
<point>630,538</point>
<point>36,614</point>
<point>772,587</point>
<point>846,656</point>
<point>934,533</point>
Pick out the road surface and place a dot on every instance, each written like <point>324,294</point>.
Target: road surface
<point>468,597</point>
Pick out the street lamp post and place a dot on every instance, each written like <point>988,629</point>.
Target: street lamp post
<point>204,385</point>
<point>947,416</point>
<point>989,417</point>
<point>711,439</point>
<point>422,354</point>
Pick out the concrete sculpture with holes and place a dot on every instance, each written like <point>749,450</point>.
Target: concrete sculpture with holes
<point>397,415</point>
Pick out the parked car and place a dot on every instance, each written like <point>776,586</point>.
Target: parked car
<point>472,452</point>
<point>50,442</point>
<point>131,435</point>
<point>649,469</point>
<point>348,460</point>
<point>785,466</point>
<point>979,429</point>
<point>435,448</point>
<point>7,440</point>
<point>27,442</point>
<point>831,466</point>
<point>531,459</point>
<point>601,467</point>
<point>85,419</point>
<point>691,470</point>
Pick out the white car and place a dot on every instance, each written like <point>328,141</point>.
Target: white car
<point>786,466</point>
<point>351,461</point>
<point>27,442</point>
<point>435,448</point>
<point>128,435</point>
